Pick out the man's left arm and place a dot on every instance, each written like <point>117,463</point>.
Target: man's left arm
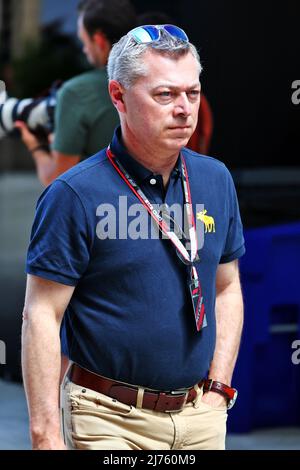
<point>229,323</point>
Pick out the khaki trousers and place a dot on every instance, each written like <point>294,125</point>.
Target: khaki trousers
<point>91,420</point>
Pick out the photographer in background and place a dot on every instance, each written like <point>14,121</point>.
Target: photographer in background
<point>84,116</point>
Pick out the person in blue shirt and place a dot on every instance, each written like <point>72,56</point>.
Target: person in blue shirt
<point>136,249</point>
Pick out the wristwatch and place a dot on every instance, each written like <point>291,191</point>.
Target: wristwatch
<point>228,392</point>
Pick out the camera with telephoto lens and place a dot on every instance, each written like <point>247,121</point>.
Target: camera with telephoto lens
<point>37,113</point>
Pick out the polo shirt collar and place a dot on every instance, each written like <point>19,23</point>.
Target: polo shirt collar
<point>134,168</point>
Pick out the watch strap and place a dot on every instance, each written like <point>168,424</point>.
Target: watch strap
<point>213,385</point>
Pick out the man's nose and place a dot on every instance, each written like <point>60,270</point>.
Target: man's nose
<point>183,105</point>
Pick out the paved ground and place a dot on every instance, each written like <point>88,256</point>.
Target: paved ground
<point>14,427</point>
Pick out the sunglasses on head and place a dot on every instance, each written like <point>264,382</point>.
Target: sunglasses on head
<point>151,33</point>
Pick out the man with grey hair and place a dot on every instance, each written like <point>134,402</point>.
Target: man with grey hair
<point>152,323</point>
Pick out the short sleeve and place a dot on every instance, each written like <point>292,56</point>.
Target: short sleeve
<point>234,245</point>
<point>70,130</point>
<point>59,248</point>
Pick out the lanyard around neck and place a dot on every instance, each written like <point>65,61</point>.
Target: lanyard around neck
<point>189,258</point>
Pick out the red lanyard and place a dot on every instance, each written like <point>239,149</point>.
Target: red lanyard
<point>155,214</point>
<point>188,258</point>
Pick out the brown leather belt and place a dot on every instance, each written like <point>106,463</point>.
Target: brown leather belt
<point>152,400</point>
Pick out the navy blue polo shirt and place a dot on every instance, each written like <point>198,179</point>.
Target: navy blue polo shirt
<point>130,317</point>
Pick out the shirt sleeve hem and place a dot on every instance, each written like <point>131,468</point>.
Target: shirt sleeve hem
<point>232,256</point>
<point>51,276</point>
<point>68,151</point>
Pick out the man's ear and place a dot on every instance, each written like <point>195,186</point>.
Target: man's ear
<point>116,92</point>
<point>100,39</point>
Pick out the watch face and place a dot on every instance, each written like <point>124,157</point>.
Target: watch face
<point>233,400</point>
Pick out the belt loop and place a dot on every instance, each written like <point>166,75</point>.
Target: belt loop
<point>198,391</point>
<point>185,399</point>
<point>139,398</point>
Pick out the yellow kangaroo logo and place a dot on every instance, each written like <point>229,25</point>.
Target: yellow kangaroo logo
<point>207,220</point>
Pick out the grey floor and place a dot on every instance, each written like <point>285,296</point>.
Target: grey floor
<point>14,427</point>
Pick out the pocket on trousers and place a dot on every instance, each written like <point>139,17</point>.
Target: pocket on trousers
<point>91,402</point>
<point>198,403</point>
<point>212,408</point>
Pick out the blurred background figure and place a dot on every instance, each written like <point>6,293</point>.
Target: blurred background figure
<point>82,113</point>
<point>84,116</point>
<point>200,140</point>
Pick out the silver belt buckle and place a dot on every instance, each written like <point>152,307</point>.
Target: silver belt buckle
<point>179,393</point>
<point>183,391</point>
